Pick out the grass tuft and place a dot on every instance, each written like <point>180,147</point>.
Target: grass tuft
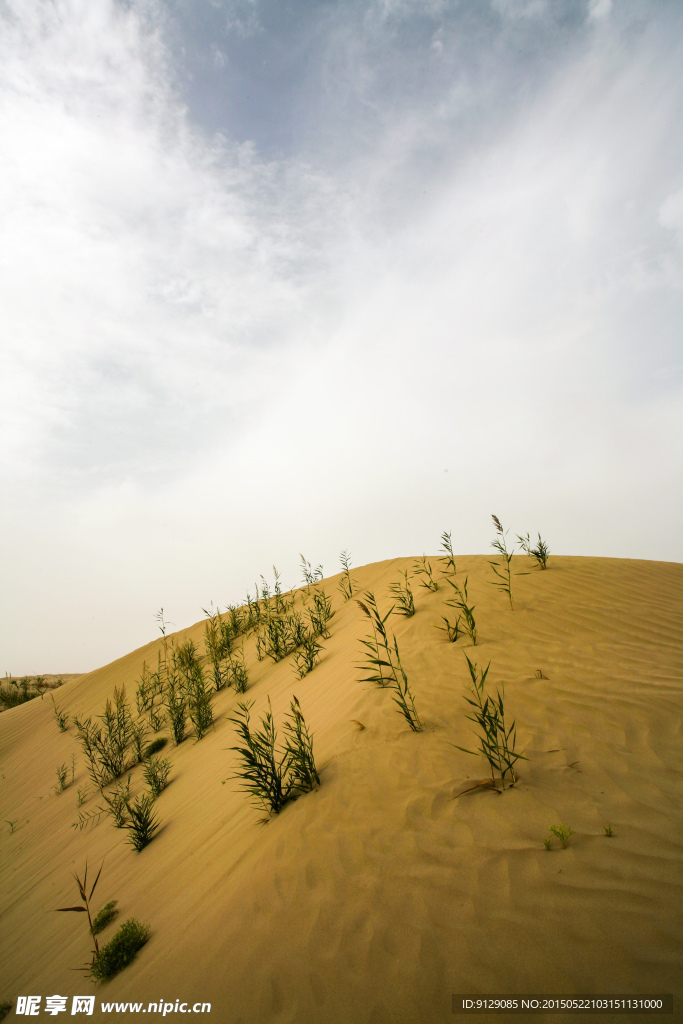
<point>404,596</point>
<point>497,743</point>
<point>423,568</point>
<point>275,777</point>
<point>121,951</point>
<point>381,656</point>
<point>143,822</point>
<point>105,916</point>
<point>563,832</point>
<point>156,772</point>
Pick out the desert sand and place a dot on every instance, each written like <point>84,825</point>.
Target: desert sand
<point>375,898</point>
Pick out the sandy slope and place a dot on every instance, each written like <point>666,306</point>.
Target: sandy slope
<point>378,896</point>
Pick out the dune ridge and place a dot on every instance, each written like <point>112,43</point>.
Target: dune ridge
<point>378,896</point>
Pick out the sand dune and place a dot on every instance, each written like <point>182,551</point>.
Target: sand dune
<point>378,896</point>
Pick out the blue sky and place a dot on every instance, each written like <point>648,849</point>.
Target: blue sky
<point>284,277</point>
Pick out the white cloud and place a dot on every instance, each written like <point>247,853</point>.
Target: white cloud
<point>214,362</point>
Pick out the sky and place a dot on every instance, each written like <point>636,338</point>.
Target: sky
<point>285,277</point>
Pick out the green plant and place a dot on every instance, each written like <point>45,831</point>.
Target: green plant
<point>273,778</point>
<point>404,698</point>
<point>143,822</point>
<point>138,735</point>
<point>541,552</point>
<point>320,614</point>
<point>346,584</point>
<point>381,655</point>
<point>404,596</point>
<point>62,772</point>
<point>81,795</point>
<point>563,832</point>
<point>524,543</point>
<point>262,772</point>
<point>121,951</point>
<point>504,573</point>
<point>451,630</point>
<point>106,747</point>
<point>85,898</point>
<point>157,717</point>
<point>12,825</point>
<point>155,746</point>
<point>104,917</point>
<point>299,747</point>
<point>423,568</point>
<point>61,717</point>
<point>307,658</point>
<point>548,843</point>
<point>447,545</point>
<point>117,803</point>
<point>310,575</point>
<point>156,772</point>
<point>497,743</point>
<point>377,646</point>
<point>466,618</point>
<point>608,830</point>
<point>238,676</point>
<point>176,705</point>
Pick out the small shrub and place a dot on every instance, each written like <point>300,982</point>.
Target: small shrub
<point>423,568</point>
<point>156,772</point>
<point>447,545</point>
<point>61,717</point>
<point>563,832</point>
<point>608,830</point>
<point>62,772</point>
<point>105,916</point>
<point>346,584</point>
<point>497,743</point>
<point>121,951</point>
<point>143,823</point>
<point>273,778</point>
<point>307,658</point>
<point>155,746</point>
<point>404,596</point>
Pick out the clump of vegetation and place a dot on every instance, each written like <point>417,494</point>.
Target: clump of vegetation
<point>15,692</point>
<point>497,743</point>
<point>105,917</point>
<point>62,774</point>
<point>540,552</point>
<point>156,772</point>
<point>307,658</point>
<point>465,621</point>
<point>383,662</point>
<point>155,746</point>
<point>273,777</point>
<point>608,830</point>
<point>86,897</point>
<point>503,571</point>
<point>121,951</point>
<point>61,717</point>
<point>237,674</point>
<point>106,746</point>
<point>143,822</point>
<point>346,584</point>
<point>404,596</point>
<point>423,568</point>
<point>449,558</point>
<point>562,832</point>
<point>310,574</point>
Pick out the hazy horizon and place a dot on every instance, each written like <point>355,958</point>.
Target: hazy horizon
<point>312,276</point>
